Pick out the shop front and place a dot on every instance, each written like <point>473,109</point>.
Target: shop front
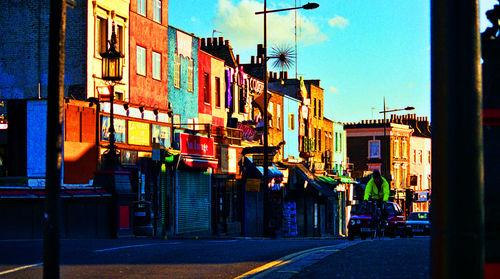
<point>193,180</point>
<point>253,215</point>
<point>138,133</point>
<point>314,201</point>
<point>227,192</point>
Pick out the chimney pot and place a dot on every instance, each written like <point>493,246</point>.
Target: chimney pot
<point>202,42</point>
<point>252,59</point>
<point>226,42</point>
<point>286,75</point>
<point>209,42</point>
<point>281,75</point>
<point>221,41</point>
<point>237,59</point>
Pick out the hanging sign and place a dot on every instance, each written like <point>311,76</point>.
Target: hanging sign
<point>196,145</point>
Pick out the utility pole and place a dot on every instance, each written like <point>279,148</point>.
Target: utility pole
<point>457,212</point>
<point>55,95</point>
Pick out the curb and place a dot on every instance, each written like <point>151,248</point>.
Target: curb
<point>292,264</point>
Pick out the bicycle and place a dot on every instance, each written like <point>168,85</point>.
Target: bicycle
<point>377,222</point>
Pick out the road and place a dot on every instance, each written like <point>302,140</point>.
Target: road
<point>149,258</point>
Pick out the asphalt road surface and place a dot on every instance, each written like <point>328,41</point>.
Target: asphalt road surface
<point>149,258</point>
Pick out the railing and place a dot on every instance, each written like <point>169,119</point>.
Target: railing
<point>308,145</point>
<point>226,135</point>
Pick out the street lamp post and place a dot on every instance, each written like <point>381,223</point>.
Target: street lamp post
<point>307,6</point>
<point>384,140</point>
<point>111,72</point>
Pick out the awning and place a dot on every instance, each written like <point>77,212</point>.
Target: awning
<point>253,171</point>
<point>347,179</point>
<point>313,180</point>
<point>271,150</point>
<point>328,180</point>
<point>200,162</point>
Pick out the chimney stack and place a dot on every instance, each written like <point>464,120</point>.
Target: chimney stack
<point>237,59</point>
<point>202,42</point>
<point>226,42</point>
<point>252,59</point>
<point>209,42</point>
<point>286,75</point>
<point>221,41</point>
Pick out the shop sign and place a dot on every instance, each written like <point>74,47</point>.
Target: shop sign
<point>138,133</point>
<point>119,125</point>
<point>196,145</point>
<point>247,132</point>
<point>253,185</point>
<point>421,196</point>
<point>160,134</point>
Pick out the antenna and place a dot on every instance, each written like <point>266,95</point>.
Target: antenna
<point>215,31</point>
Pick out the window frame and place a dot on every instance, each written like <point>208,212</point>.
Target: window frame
<point>190,75</point>
<point>156,61</point>
<point>291,121</point>
<point>101,40</point>
<point>139,65</point>
<point>377,152</point>
<point>142,7</point>
<point>206,88</point>
<point>278,116</point>
<point>157,7</point>
<point>177,71</point>
<point>395,148</point>
<point>218,102</point>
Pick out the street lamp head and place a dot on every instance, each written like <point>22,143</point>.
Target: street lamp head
<point>111,61</point>
<point>409,108</point>
<point>310,6</point>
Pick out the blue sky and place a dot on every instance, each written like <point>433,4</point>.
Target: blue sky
<point>362,51</point>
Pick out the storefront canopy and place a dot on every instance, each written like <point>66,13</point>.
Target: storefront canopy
<point>328,180</point>
<point>200,162</point>
<point>253,171</point>
<point>312,180</point>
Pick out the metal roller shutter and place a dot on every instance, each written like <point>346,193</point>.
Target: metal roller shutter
<point>193,201</point>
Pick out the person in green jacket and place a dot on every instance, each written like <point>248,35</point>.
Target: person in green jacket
<point>377,188</point>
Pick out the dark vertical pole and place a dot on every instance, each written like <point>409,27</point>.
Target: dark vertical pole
<point>266,144</point>
<point>55,96</point>
<point>385,146</point>
<point>457,212</point>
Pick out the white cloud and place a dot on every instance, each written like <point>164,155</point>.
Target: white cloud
<point>239,23</point>
<point>333,89</point>
<point>338,22</point>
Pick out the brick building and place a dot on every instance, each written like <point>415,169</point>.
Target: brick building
<point>375,146</point>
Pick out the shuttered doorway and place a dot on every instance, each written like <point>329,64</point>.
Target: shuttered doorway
<point>193,201</point>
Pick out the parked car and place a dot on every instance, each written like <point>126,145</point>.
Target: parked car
<point>360,221</point>
<point>418,223</point>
